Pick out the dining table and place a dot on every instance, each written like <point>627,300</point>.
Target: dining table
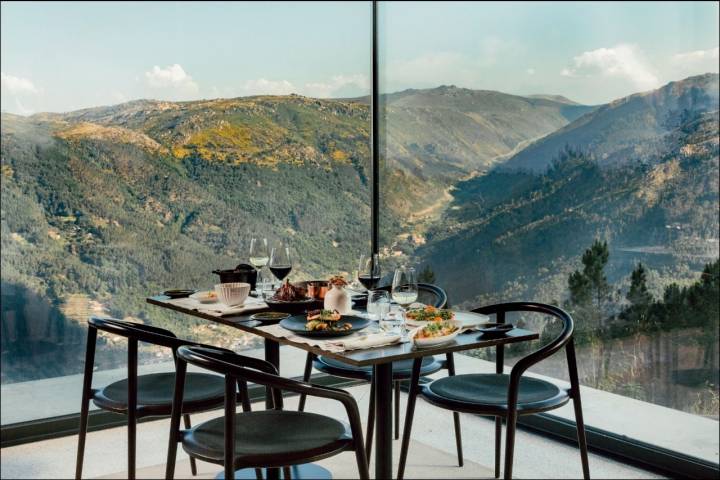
<point>379,358</point>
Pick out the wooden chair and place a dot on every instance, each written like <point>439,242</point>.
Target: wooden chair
<point>505,396</point>
<point>140,396</point>
<point>430,295</point>
<point>269,438</point>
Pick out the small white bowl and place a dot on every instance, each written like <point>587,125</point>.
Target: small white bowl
<point>431,342</point>
<point>205,297</point>
<point>232,294</point>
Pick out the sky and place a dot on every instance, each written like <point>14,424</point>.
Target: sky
<point>64,56</point>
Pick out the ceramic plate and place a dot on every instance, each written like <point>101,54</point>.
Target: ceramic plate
<point>297,323</point>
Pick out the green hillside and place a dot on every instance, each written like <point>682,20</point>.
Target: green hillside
<point>518,234</point>
<point>630,129</point>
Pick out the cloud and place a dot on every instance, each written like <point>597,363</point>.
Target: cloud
<point>262,86</point>
<point>698,61</point>
<point>172,76</point>
<point>432,69</point>
<point>622,61</point>
<point>337,85</point>
<point>530,71</point>
<point>17,85</point>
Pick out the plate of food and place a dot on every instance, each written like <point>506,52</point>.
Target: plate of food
<point>291,298</point>
<point>324,323</point>
<point>436,333</point>
<point>421,316</point>
<point>269,317</point>
<point>205,296</point>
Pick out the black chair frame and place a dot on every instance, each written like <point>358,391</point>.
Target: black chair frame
<point>241,369</point>
<point>509,411</point>
<point>398,377</point>
<point>134,332</point>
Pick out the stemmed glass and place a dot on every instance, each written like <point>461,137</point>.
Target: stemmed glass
<point>258,256</point>
<point>259,252</point>
<point>280,264</point>
<point>404,289</point>
<point>369,271</point>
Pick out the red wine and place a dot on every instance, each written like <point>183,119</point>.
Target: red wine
<point>368,281</point>
<point>281,271</point>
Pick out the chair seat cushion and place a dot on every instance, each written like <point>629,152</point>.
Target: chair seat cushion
<point>269,438</point>
<point>476,391</point>
<point>155,393</point>
<point>402,369</point>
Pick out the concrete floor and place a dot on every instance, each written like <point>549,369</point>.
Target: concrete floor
<point>432,452</point>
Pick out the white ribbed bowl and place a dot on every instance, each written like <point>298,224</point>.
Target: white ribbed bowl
<point>232,294</point>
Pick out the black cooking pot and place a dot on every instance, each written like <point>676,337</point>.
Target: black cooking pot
<point>242,273</point>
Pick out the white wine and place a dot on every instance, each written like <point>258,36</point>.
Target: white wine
<point>259,261</point>
<point>404,298</point>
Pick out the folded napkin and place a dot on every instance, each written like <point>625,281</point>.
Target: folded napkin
<point>357,340</point>
<point>368,340</point>
<point>219,309</point>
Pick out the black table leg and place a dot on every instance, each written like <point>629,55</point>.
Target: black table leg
<point>272,355</point>
<point>383,419</point>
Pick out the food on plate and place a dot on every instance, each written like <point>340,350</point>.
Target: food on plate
<point>325,320</point>
<point>289,293</point>
<point>430,314</point>
<point>337,280</point>
<point>436,329</point>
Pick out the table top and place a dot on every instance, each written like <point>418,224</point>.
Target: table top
<point>360,358</point>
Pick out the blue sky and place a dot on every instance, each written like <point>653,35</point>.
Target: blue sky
<point>65,56</point>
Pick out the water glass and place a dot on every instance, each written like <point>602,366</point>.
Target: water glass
<point>378,304</point>
<point>393,322</point>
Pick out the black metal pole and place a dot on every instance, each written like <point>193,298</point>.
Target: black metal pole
<point>375,136</point>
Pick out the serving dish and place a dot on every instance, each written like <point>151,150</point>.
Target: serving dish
<point>269,317</point>
<point>296,324</point>
<point>433,341</point>
<point>178,292</point>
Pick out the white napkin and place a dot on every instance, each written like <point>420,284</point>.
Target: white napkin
<point>351,342</point>
<point>219,309</point>
<point>368,340</point>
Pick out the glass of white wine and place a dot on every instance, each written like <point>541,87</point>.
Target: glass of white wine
<point>259,256</point>
<point>404,290</point>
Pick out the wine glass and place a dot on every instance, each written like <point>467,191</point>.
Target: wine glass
<point>259,252</point>
<point>378,304</point>
<point>280,264</point>
<point>369,270</point>
<point>404,288</point>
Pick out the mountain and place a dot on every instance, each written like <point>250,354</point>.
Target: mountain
<point>448,132</point>
<point>517,234</point>
<point>632,128</point>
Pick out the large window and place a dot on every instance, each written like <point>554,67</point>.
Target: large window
<point>143,144</point>
<point>559,152</point>
<point>568,153</point>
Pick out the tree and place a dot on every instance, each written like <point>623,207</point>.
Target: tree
<point>638,295</point>
<point>591,285</point>
<point>426,275</point>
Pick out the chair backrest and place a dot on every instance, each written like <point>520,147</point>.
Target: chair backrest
<point>564,339</point>
<point>428,294</point>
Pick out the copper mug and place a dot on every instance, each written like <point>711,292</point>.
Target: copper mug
<point>317,289</point>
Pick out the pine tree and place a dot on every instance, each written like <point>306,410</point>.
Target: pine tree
<point>426,275</point>
<point>638,295</point>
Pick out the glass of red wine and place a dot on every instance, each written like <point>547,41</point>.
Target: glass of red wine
<point>280,264</point>
<point>369,270</point>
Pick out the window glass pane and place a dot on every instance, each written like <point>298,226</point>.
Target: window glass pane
<point>567,153</point>
<point>144,144</point>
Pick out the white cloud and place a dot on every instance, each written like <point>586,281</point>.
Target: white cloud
<point>432,69</point>
<point>262,86</point>
<point>336,85</point>
<point>698,61</point>
<point>17,85</point>
<point>530,71</point>
<point>172,76</point>
<point>709,54</point>
<point>622,61</point>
